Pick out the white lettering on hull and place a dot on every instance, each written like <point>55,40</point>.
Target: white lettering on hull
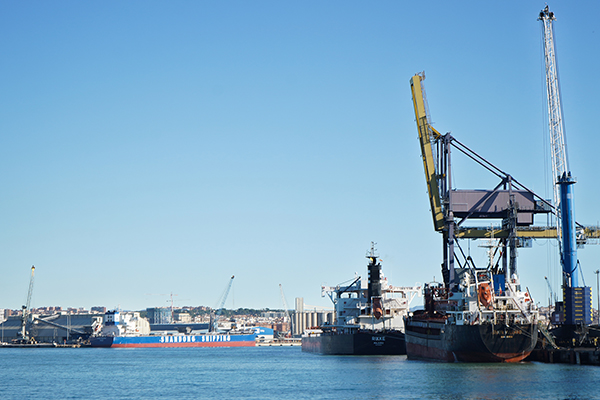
<point>194,339</point>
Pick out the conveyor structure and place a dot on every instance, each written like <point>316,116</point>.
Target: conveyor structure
<point>510,202</point>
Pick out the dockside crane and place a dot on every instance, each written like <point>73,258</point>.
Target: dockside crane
<point>427,137</point>
<point>510,201</point>
<point>552,298</point>
<point>24,338</point>
<point>213,326</point>
<point>576,296</point>
<point>287,313</point>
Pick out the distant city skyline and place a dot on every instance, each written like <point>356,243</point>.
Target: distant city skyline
<point>150,148</point>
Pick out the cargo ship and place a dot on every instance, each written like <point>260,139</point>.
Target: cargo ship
<point>477,314</point>
<point>128,329</point>
<point>483,319</point>
<point>369,317</point>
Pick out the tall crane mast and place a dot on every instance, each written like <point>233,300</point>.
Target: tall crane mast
<point>573,291</point>
<point>558,145</point>
<point>563,183</point>
<point>285,310</point>
<point>552,297</point>
<point>221,304</point>
<point>561,173</point>
<point>26,308</point>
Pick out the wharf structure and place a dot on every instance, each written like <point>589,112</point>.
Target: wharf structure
<point>573,355</point>
<point>60,327</point>
<point>56,328</point>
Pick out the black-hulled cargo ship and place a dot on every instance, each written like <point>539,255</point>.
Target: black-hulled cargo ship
<point>474,323</point>
<point>369,317</point>
<point>354,341</point>
<point>477,314</point>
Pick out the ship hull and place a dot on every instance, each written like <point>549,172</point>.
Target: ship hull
<point>356,343</point>
<point>434,340</point>
<point>175,341</point>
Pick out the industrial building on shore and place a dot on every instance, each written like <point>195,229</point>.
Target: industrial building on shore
<point>76,325</point>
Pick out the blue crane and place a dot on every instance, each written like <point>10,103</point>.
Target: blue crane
<point>576,296</point>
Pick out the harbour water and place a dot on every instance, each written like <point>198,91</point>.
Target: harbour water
<point>275,373</point>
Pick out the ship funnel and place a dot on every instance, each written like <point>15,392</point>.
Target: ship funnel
<point>374,288</point>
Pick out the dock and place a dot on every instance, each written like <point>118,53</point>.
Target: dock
<point>279,343</point>
<point>579,356</point>
<point>38,345</point>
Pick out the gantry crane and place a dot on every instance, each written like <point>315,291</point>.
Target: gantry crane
<point>509,201</point>
<point>576,296</point>
<point>213,326</point>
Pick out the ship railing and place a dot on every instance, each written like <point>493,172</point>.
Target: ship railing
<point>488,316</point>
<point>505,303</point>
<point>395,303</point>
<point>509,311</point>
<point>528,316</point>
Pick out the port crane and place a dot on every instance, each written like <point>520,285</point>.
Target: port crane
<point>552,298</point>
<point>576,296</point>
<point>24,334</point>
<point>213,326</point>
<point>510,201</point>
<point>286,311</point>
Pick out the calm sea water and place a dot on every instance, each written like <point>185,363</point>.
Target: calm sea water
<point>275,373</point>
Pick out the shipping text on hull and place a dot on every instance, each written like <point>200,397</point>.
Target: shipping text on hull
<point>215,340</point>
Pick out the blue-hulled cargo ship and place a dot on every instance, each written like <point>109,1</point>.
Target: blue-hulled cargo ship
<point>204,340</point>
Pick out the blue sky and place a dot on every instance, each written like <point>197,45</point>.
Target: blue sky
<point>149,148</point>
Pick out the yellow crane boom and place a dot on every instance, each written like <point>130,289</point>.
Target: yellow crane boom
<point>426,134</point>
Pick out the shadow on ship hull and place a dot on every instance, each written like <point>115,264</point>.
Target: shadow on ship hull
<point>438,341</point>
<point>360,343</point>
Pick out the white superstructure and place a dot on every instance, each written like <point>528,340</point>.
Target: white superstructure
<point>124,323</point>
<point>352,308</point>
